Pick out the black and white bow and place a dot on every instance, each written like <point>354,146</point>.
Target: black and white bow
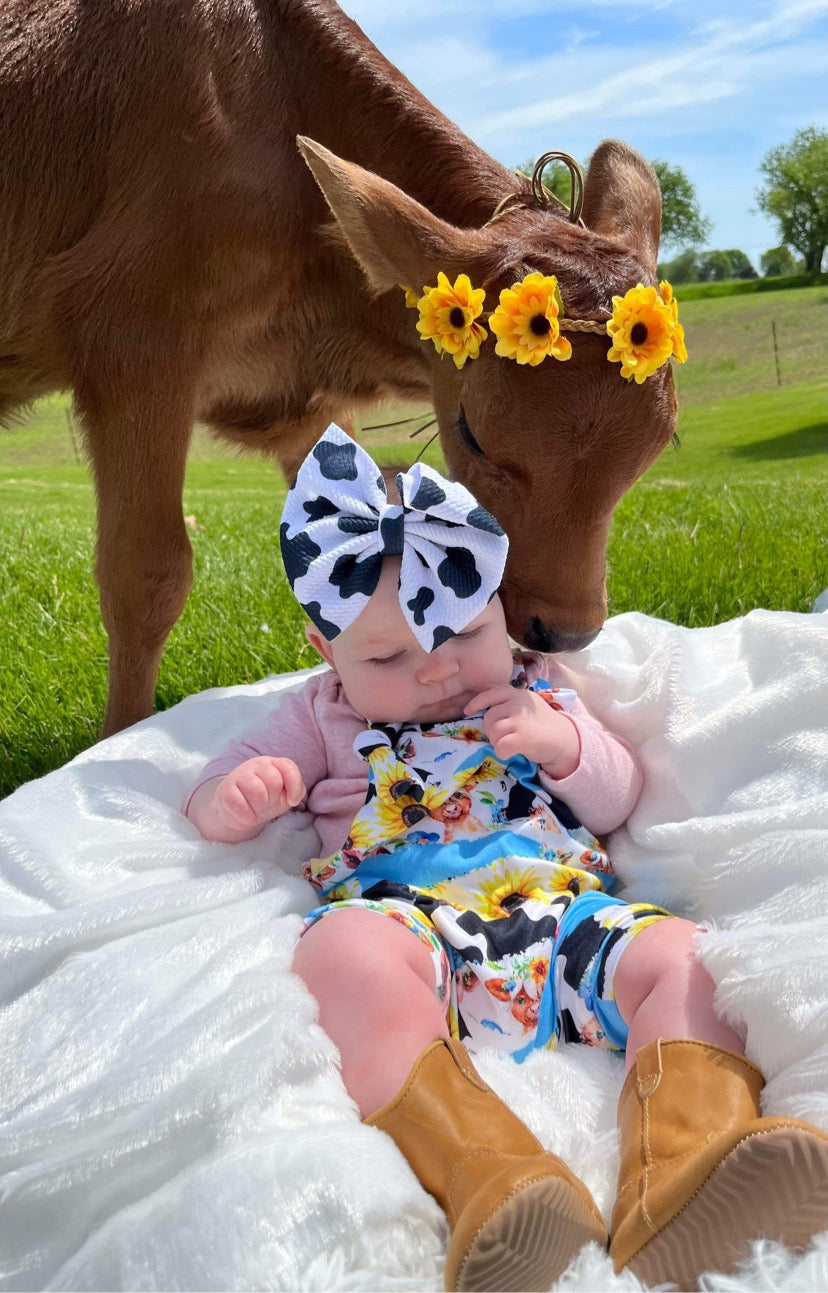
<point>337,526</point>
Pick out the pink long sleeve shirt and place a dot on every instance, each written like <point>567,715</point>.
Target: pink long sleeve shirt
<point>316,727</point>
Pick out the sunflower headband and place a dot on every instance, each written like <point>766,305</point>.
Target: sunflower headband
<point>529,319</point>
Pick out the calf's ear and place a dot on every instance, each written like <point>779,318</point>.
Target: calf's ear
<point>497,989</point>
<point>393,238</point>
<point>622,199</point>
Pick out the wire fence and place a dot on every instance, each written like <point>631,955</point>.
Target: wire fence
<point>742,345</point>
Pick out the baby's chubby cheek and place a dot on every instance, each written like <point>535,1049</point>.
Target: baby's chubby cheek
<point>497,669</point>
<point>374,698</point>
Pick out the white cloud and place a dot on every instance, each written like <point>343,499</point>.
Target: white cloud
<point>686,83</point>
<point>405,14</point>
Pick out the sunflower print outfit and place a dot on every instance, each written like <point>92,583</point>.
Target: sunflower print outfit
<point>506,888</point>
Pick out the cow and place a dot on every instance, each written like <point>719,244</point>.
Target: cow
<point>209,210</point>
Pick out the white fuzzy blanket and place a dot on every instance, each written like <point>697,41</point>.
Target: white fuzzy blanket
<point>171,1117</point>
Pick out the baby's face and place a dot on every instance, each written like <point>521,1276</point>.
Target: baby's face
<point>388,677</point>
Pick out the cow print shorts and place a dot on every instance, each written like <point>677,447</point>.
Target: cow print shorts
<point>530,980</point>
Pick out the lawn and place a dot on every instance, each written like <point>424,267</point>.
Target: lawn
<point>734,519</point>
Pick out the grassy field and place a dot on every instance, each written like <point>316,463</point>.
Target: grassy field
<point>746,343</point>
<point>736,518</point>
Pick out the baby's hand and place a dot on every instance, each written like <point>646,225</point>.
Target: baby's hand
<point>517,721</point>
<point>256,792</point>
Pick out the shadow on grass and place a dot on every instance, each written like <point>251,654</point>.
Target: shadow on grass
<point>19,764</point>
<point>804,442</point>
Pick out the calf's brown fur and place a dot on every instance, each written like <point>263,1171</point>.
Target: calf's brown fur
<point>168,255</point>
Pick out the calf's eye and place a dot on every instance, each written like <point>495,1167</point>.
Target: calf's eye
<point>465,434</point>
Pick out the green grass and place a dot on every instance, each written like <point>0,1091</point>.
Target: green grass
<point>736,518</point>
<point>753,439</point>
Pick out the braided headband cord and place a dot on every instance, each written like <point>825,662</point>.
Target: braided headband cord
<point>585,325</point>
<point>597,324</point>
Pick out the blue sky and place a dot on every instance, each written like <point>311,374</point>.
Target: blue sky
<point>709,85</point>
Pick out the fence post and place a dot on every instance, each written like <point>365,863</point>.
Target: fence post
<point>776,353</point>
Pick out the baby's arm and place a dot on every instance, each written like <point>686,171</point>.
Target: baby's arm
<point>237,806</point>
<point>259,778</point>
<point>604,788</point>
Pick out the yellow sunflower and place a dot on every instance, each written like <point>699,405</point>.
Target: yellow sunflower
<point>453,893</point>
<point>393,810</point>
<point>504,885</point>
<point>641,328</point>
<point>447,317</point>
<point>365,834</point>
<point>679,348</point>
<point>539,969</point>
<point>568,879</point>
<point>488,771</point>
<point>342,892</point>
<point>526,321</point>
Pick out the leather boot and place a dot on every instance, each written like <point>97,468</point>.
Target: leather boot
<point>517,1215</point>
<point>702,1173</point>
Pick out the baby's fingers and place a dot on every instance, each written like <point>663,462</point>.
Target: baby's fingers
<point>498,728</point>
<point>505,746</point>
<point>293,783</point>
<point>235,807</point>
<point>488,697</point>
<point>497,721</point>
<point>261,790</point>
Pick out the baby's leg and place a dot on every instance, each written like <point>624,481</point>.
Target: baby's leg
<point>375,984</point>
<point>663,990</point>
<point>703,1174</point>
<point>517,1215</point>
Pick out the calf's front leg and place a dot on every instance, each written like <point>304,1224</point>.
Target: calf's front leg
<point>144,559</point>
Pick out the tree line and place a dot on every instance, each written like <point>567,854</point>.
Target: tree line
<point>794,194</point>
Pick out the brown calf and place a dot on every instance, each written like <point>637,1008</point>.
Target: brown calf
<point>166,253</point>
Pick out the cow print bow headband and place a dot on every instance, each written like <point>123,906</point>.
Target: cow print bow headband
<point>338,525</point>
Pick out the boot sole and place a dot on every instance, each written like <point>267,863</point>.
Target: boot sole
<point>530,1240</point>
<point>770,1186</point>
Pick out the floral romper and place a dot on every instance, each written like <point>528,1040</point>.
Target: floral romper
<point>496,876</point>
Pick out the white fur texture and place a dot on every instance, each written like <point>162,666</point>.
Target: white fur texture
<point>171,1117</point>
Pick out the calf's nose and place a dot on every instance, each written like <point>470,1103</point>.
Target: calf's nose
<point>540,637</point>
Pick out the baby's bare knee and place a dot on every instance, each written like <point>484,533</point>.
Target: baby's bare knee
<point>661,951</point>
<point>363,949</point>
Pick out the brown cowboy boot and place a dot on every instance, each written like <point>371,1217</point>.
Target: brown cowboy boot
<point>517,1215</point>
<point>702,1172</point>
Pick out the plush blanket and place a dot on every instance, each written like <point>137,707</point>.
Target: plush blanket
<point>171,1116</point>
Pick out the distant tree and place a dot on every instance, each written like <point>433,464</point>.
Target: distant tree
<point>714,267</point>
<point>682,223</point>
<point>717,265</point>
<point>683,269</point>
<point>796,193</point>
<point>740,264</point>
<point>779,261</point>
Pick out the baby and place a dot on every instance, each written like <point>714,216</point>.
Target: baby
<point>456,785</point>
